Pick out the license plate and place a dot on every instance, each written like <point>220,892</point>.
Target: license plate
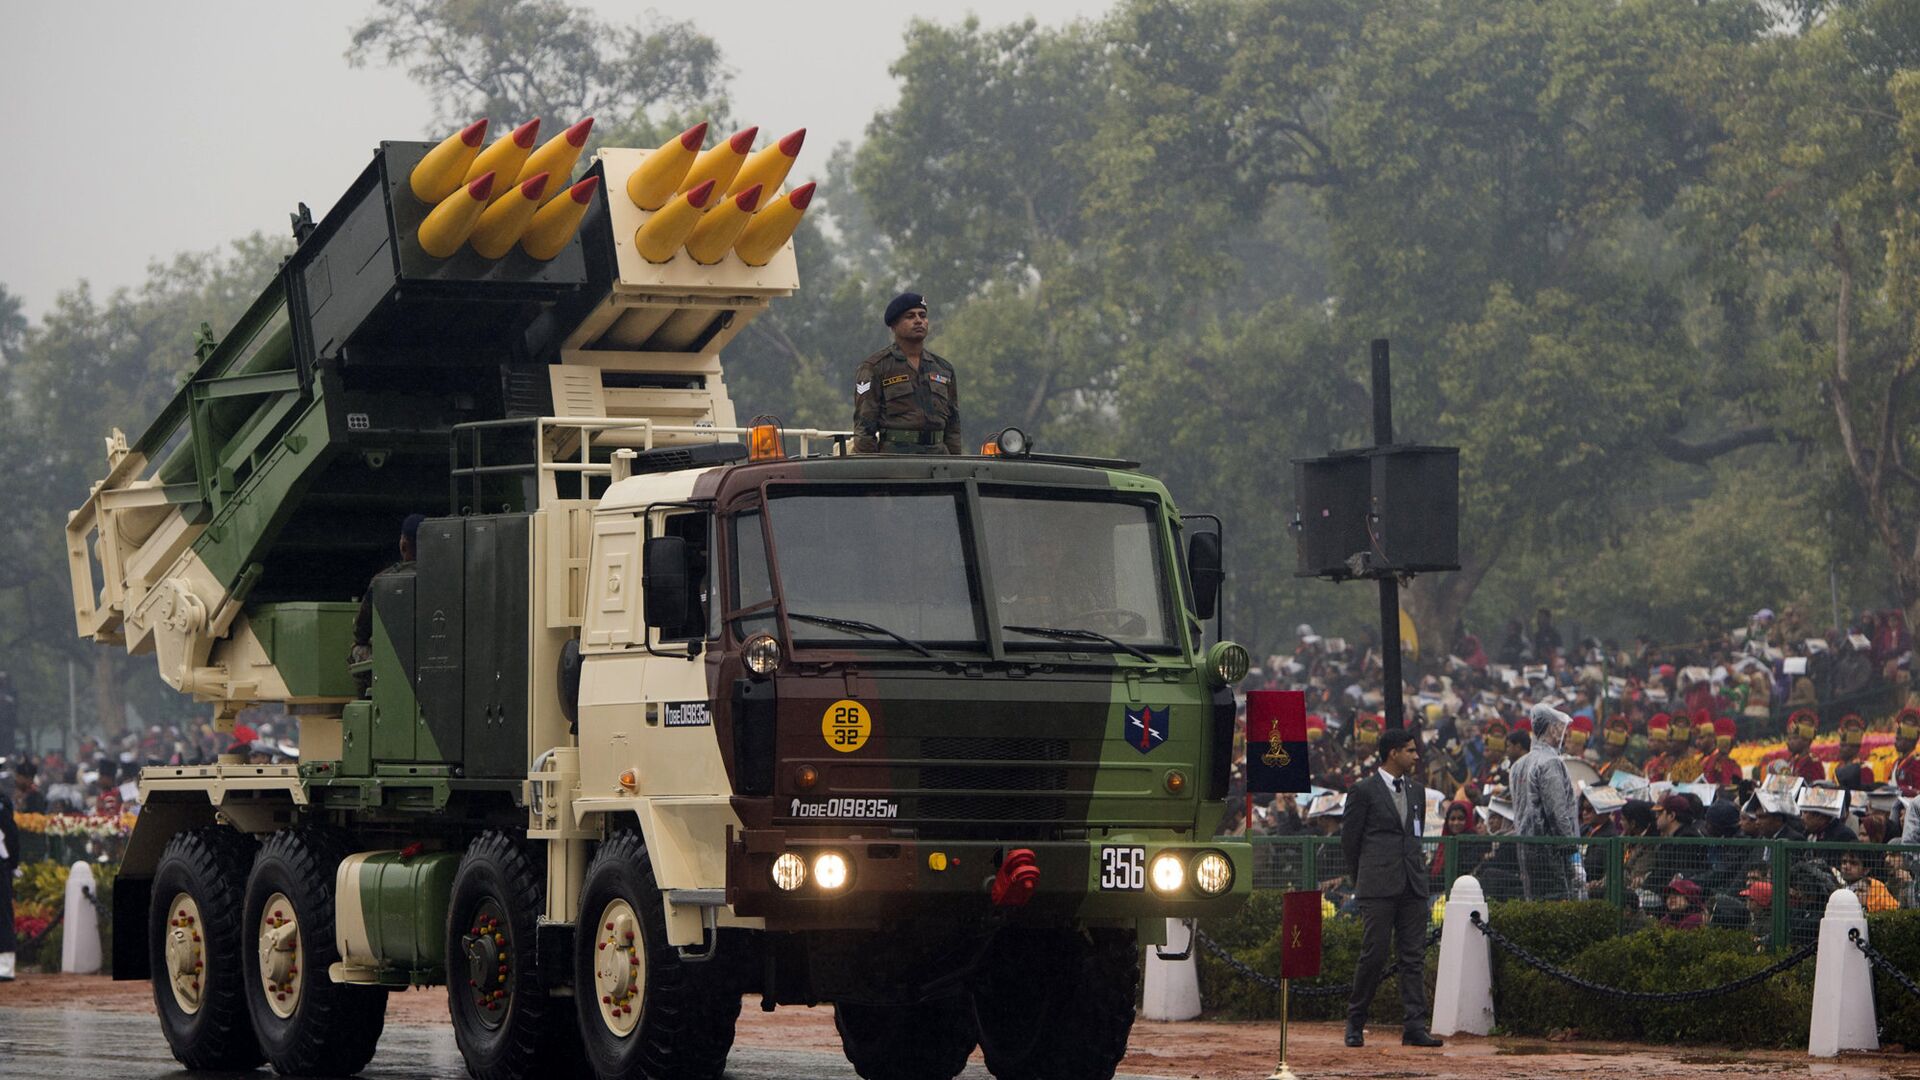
<point>1123,869</point>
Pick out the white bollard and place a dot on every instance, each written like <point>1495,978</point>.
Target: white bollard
<point>1173,986</point>
<point>1463,987</point>
<point>1843,1016</point>
<point>80,928</point>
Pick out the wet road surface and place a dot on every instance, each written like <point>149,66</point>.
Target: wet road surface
<point>74,1044</point>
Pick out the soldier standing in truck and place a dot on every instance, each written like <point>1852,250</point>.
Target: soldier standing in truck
<point>906,400</point>
<point>362,650</point>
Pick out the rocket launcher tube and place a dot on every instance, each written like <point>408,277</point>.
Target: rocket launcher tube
<point>558,155</point>
<point>450,223</point>
<point>657,178</point>
<point>713,237</point>
<point>502,223</point>
<point>554,224</point>
<point>441,172</point>
<point>768,166</point>
<point>722,163</point>
<point>661,235</point>
<point>771,228</point>
<point>505,157</point>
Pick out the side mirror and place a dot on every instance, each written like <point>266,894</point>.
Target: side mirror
<point>664,581</point>
<point>1203,570</point>
<point>569,684</point>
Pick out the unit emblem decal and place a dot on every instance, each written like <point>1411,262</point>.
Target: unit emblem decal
<point>1147,728</point>
<point>845,725</point>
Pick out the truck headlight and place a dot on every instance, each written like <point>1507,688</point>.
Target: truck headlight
<point>789,872</point>
<point>1213,873</point>
<point>1228,663</point>
<point>1168,872</point>
<point>762,654</point>
<point>830,870</point>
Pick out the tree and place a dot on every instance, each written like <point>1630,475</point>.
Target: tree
<point>517,59</point>
<point>1811,218</point>
<point>89,365</point>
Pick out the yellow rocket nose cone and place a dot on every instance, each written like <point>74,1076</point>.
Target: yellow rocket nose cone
<point>442,171</point>
<point>721,163</point>
<point>771,228</point>
<point>768,166</point>
<point>557,156</point>
<point>554,224</point>
<point>713,237</point>
<point>503,222</point>
<point>659,174</point>
<point>450,223</point>
<point>661,235</point>
<point>505,157</point>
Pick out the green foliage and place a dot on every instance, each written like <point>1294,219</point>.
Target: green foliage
<point>1896,934</point>
<point>1254,937</point>
<point>513,60</point>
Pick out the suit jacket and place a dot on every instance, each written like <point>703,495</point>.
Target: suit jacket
<point>1383,849</point>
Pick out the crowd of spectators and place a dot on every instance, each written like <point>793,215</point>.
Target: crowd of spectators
<point>1774,730</point>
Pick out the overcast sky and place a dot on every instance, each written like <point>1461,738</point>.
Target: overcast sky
<point>144,129</point>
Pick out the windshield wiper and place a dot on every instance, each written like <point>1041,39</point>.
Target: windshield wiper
<point>863,627</point>
<point>1079,635</point>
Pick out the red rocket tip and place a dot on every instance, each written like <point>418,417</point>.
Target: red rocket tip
<point>698,196</point>
<point>748,199</point>
<point>583,191</point>
<point>475,133</point>
<point>524,135</point>
<point>801,196</point>
<point>790,145</point>
<point>535,187</point>
<point>577,134</point>
<point>742,141</point>
<point>481,188</point>
<point>691,138</point>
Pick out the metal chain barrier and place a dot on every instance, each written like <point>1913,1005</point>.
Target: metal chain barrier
<point>1261,978</point>
<point>1886,966</point>
<point>1670,997</point>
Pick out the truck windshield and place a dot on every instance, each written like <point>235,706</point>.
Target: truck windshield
<point>1089,565</point>
<point>1075,573</point>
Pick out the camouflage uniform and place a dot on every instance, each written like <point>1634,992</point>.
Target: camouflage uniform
<point>899,410</point>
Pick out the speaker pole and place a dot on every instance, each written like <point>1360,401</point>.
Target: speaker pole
<point>1394,707</point>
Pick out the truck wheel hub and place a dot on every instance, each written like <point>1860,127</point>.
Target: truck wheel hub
<point>489,965</point>
<point>186,953</point>
<point>619,967</point>
<point>281,956</point>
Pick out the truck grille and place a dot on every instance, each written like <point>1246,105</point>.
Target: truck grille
<point>988,777</point>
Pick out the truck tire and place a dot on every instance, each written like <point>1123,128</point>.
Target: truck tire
<point>929,1041</point>
<point>308,1024</point>
<point>652,1017</point>
<point>506,1025</point>
<point>1057,1005</point>
<point>195,947</point>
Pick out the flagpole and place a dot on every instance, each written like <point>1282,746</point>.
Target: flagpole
<point>1280,1071</point>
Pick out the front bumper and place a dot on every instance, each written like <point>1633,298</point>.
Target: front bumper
<point>893,879</point>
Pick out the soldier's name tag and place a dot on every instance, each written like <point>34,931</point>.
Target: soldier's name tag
<point>1123,869</point>
<point>894,380</point>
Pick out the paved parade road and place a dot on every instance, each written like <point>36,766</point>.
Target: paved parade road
<point>71,1044</point>
<point>87,1027</point>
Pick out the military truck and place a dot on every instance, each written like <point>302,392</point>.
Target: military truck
<point>665,709</point>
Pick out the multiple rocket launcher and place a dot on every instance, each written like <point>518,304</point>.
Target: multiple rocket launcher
<point>709,202</point>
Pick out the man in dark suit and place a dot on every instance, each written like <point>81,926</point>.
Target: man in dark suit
<point>1381,839</point>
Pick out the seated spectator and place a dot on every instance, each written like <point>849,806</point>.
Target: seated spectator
<point>1871,890</point>
<point>1759,897</point>
<point>1682,901</point>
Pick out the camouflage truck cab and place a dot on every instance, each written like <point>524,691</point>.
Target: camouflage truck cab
<point>666,710</point>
